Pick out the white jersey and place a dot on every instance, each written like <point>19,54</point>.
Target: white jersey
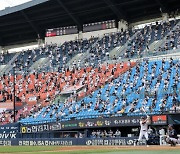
<point>144,127</point>
<point>144,130</point>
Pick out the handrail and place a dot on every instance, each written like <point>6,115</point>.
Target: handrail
<point>87,53</point>
<point>126,45</point>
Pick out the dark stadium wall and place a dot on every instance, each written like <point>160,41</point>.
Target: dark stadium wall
<point>53,133</point>
<point>69,142</point>
<point>108,122</point>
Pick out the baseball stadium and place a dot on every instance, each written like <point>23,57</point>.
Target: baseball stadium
<point>90,76</point>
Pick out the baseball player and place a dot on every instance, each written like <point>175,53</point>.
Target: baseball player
<point>172,137</point>
<point>144,122</point>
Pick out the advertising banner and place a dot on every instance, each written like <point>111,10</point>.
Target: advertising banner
<point>40,128</point>
<point>159,119</point>
<point>69,142</point>
<point>86,123</point>
<point>114,141</point>
<point>99,123</point>
<point>9,131</point>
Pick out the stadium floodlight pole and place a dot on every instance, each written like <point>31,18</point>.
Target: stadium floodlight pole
<point>14,101</point>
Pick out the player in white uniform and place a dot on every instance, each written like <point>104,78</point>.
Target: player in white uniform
<point>144,122</point>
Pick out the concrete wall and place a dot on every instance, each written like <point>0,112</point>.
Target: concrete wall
<point>122,25</point>
<point>87,35</point>
<point>1,49</point>
<point>60,39</point>
<point>100,33</point>
<point>19,48</point>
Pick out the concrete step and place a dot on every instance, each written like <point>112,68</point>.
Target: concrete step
<point>40,62</point>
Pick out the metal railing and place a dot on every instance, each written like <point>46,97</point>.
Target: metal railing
<point>102,115</point>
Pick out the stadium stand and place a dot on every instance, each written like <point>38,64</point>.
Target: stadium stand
<point>140,87</point>
<point>58,55</point>
<point>139,46</point>
<point>172,40</point>
<point>146,36</point>
<point>99,73</point>
<point>5,58</point>
<point>42,87</point>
